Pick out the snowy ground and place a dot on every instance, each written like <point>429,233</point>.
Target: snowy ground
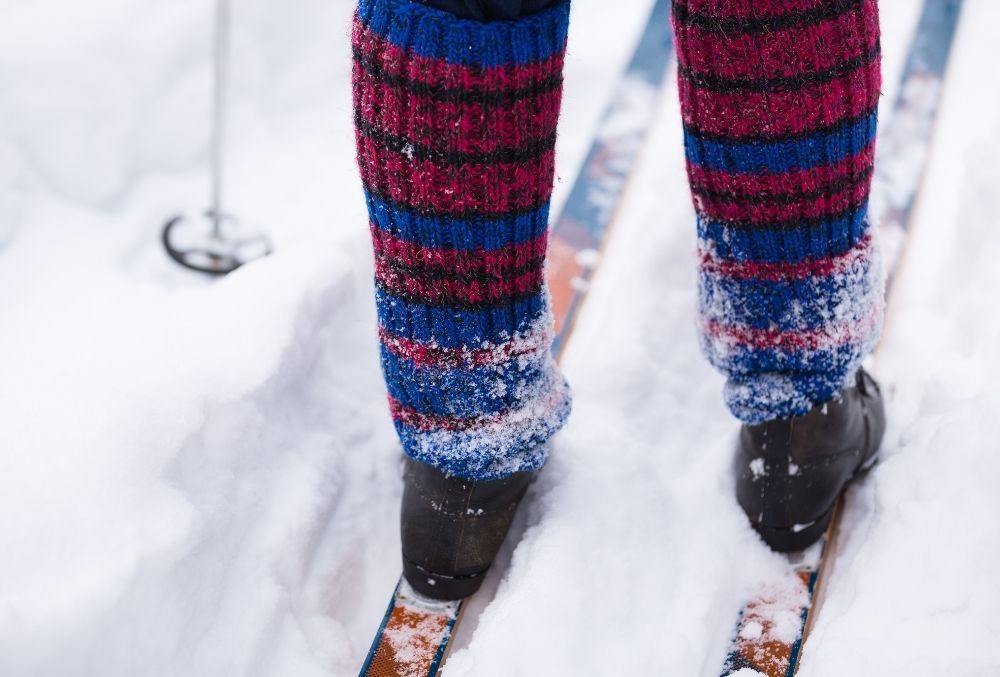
<point>200,478</point>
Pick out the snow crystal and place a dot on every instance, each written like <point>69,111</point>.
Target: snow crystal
<point>588,258</point>
<point>752,631</point>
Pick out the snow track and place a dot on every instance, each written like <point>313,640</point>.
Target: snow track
<point>201,479</point>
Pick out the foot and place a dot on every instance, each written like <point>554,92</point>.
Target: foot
<point>790,471</point>
<point>452,528</point>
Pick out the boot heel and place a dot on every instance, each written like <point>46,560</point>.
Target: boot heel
<point>798,537</point>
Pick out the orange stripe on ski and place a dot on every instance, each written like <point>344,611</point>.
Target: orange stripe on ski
<point>562,268</point>
<point>412,641</point>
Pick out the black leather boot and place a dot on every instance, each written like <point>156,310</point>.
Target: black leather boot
<point>790,471</point>
<point>452,528</point>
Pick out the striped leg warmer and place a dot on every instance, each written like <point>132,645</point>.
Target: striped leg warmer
<point>779,103</point>
<point>455,129</point>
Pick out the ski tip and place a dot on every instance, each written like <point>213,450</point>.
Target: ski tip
<point>413,637</point>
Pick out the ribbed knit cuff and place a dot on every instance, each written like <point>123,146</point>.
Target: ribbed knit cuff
<point>429,32</point>
<point>455,128</point>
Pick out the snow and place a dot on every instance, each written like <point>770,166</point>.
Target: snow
<point>201,478</point>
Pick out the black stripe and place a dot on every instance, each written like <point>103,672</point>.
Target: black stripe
<point>759,199</point>
<point>415,152</point>
<point>787,224</point>
<point>456,304</point>
<point>723,85</point>
<point>698,135</point>
<point>466,215</point>
<point>825,11</point>
<point>505,97</point>
<point>439,274</point>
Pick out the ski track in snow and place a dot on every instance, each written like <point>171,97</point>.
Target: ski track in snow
<point>201,478</point>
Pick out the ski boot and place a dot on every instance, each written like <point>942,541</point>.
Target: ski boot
<point>452,528</point>
<point>790,471</point>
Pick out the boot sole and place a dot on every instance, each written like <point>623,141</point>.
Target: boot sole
<point>441,587</point>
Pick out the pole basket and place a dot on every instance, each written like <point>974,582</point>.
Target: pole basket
<point>213,244</point>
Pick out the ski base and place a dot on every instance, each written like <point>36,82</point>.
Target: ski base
<point>413,637</point>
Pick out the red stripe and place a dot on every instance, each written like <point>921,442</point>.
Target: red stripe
<point>456,291</point>
<point>824,338</point>
<point>424,355</point>
<point>464,126</point>
<point>434,422</point>
<point>495,262</point>
<point>763,212</point>
<point>776,272</point>
<point>422,185</point>
<point>438,73</point>
<point>782,53</point>
<point>796,180</point>
<point>752,114</point>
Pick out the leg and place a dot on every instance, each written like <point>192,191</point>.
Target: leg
<point>779,101</point>
<point>456,125</point>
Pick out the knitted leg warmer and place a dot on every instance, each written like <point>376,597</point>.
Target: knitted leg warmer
<point>455,129</point>
<point>779,102</point>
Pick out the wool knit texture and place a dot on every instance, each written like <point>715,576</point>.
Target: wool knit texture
<point>779,101</point>
<point>455,128</point>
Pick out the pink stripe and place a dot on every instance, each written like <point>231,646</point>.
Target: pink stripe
<point>495,262</point>
<point>751,114</point>
<point>776,272</point>
<point>766,212</point>
<point>465,126</point>
<point>433,422</point>
<point>797,180</point>
<point>456,291</point>
<point>424,355</point>
<point>785,53</point>
<point>438,73</point>
<point>825,338</point>
<point>494,189</point>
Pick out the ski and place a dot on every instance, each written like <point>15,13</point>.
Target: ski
<point>414,635</point>
<point>775,623</point>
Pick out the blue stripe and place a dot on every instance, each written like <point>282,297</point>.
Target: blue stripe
<point>743,362</point>
<point>786,245</point>
<point>756,399</point>
<point>457,327</point>
<point>455,232</point>
<point>437,34</point>
<point>380,635</point>
<point>787,304</point>
<point>454,455</point>
<point>781,156</point>
<point>461,393</point>
<point>479,457</point>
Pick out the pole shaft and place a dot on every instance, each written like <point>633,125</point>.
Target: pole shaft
<point>219,85</point>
